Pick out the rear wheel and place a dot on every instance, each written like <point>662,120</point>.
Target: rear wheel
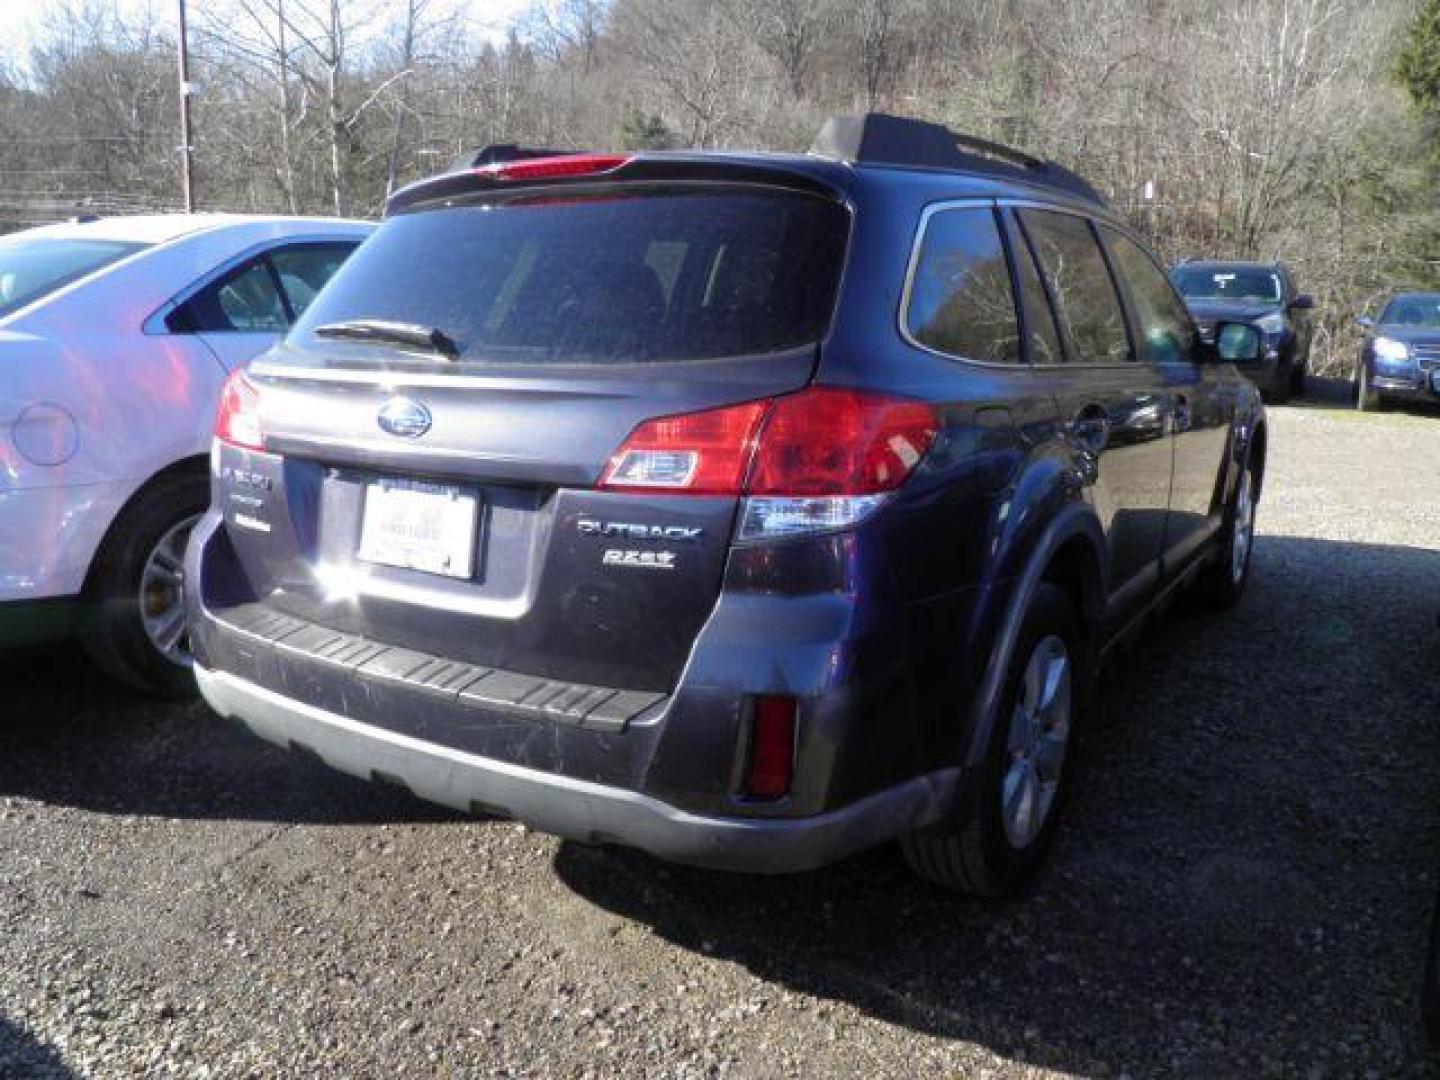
<point>1366,399</point>
<point>1284,381</point>
<point>1430,994</point>
<point>135,628</point>
<point>1001,844</point>
<point>1297,377</point>
<point>1222,584</point>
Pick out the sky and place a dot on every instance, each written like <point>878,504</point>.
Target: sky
<point>18,17</point>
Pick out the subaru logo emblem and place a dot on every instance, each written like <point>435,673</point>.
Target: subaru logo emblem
<point>404,417</point>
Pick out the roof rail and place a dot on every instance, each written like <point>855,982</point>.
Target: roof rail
<point>499,152</point>
<point>879,139</point>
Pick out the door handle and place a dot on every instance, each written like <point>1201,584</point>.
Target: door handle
<point>1183,415</point>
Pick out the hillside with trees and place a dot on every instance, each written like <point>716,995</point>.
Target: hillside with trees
<point>1305,130</point>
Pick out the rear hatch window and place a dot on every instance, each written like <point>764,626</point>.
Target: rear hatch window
<point>602,279</point>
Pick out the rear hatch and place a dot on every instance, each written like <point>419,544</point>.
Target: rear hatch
<point>449,499</point>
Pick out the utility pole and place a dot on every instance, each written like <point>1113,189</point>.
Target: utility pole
<point>187,178</point>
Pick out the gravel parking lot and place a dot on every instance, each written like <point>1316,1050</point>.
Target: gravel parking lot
<point>1243,887</point>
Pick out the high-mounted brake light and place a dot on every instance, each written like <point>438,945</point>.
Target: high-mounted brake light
<point>546,168</point>
<point>820,459</point>
<point>237,421</point>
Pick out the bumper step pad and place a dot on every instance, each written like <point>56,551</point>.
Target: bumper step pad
<point>597,707</point>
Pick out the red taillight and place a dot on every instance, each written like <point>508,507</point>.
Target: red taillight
<point>818,442</point>
<point>772,747</point>
<point>548,167</point>
<point>703,453</point>
<point>237,421</point>
<point>826,441</point>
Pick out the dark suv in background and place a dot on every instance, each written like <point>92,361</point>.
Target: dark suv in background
<point>1265,295</point>
<point>750,509</point>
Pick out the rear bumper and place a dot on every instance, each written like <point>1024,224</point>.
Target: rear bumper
<point>580,809</point>
<point>1405,388</point>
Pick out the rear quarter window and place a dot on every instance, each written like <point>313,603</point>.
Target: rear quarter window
<point>961,302</point>
<point>598,278</point>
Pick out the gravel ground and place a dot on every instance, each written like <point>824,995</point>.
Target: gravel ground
<point>1243,887</point>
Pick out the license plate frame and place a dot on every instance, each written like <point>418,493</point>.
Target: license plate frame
<point>418,525</point>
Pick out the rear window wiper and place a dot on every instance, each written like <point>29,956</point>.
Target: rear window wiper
<point>426,337</point>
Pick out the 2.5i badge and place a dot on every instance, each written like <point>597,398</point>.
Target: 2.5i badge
<point>644,560</point>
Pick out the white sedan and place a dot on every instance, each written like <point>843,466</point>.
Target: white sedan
<point>115,336</point>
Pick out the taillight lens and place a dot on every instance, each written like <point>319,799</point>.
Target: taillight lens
<point>703,453</point>
<point>549,167</point>
<point>772,747</point>
<point>818,460</point>
<point>237,421</point>
<point>826,441</point>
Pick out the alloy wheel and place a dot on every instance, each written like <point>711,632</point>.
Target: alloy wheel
<point>162,593</point>
<point>1242,532</point>
<point>1038,740</point>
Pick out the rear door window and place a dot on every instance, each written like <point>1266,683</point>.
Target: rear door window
<point>33,267</point>
<point>1042,336</point>
<point>264,294</point>
<point>250,301</point>
<point>1079,280</point>
<point>304,269</point>
<point>961,301</point>
<point>1167,336</point>
<point>598,278</point>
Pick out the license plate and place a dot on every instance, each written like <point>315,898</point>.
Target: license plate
<point>428,527</point>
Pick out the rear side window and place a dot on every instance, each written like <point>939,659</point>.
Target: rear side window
<point>1167,335</point>
<point>599,279</point>
<point>304,269</point>
<point>263,295</point>
<point>1079,280</point>
<point>32,268</point>
<point>250,301</point>
<point>961,301</point>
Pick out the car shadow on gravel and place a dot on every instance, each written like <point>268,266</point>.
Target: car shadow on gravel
<point>22,1056</point>
<point>1243,884</point>
<point>70,736</point>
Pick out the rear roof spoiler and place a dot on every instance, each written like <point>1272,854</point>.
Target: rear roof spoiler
<point>496,153</point>
<point>879,139</point>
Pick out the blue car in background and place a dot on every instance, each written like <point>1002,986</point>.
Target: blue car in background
<point>1400,358</point>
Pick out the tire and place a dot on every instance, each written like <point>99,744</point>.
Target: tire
<point>1298,375</point>
<point>1366,399</point>
<point>147,536</point>
<point>1284,380</point>
<point>1222,584</point>
<point>1430,991</point>
<point>988,852</point>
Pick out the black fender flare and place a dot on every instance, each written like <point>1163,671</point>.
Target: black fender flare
<point>1075,519</point>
